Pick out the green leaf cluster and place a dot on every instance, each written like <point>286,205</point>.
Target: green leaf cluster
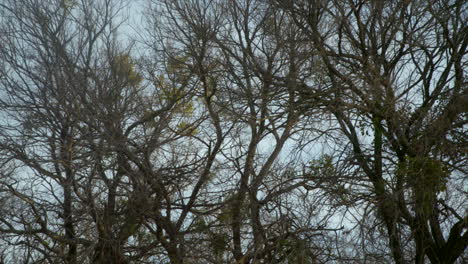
<point>295,250</point>
<point>68,4</point>
<point>426,176</point>
<point>186,129</point>
<point>322,167</point>
<point>123,68</point>
<point>218,242</point>
<point>424,172</point>
<point>184,104</point>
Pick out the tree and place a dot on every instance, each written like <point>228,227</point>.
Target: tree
<point>233,132</point>
<point>399,70</point>
<point>219,43</point>
<point>72,134</point>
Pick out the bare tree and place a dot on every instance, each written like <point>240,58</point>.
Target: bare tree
<point>399,69</point>
<point>72,134</point>
<point>246,57</point>
<point>233,132</point>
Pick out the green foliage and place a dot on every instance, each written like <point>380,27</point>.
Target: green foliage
<point>225,215</point>
<point>199,224</point>
<point>186,129</point>
<point>295,250</point>
<point>124,68</point>
<point>174,89</point>
<point>130,227</point>
<point>69,4</point>
<point>169,92</point>
<point>183,104</point>
<point>424,172</point>
<point>322,167</point>
<point>177,69</point>
<point>176,64</point>
<point>426,176</point>
<point>218,242</point>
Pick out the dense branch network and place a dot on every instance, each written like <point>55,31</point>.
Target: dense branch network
<point>242,132</point>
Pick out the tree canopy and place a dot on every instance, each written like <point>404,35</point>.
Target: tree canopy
<point>247,132</point>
